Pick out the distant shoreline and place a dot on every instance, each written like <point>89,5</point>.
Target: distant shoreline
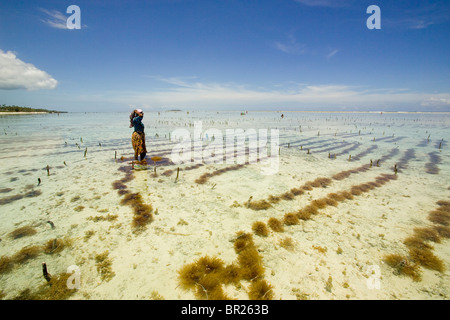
<point>390,112</point>
<point>23,112</point>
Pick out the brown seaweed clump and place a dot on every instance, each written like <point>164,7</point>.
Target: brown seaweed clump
<point>260,229</point>
<point>441,215</point>
<point>142,212</point>
<point>55,289</point>
<point>22,232</point>
<point>259,205</point>
<point>7,263</point>
<point>56,245</point>
<point>420,251</point>
<point>443,231</point>
<point>291,219</point>
<point>250,261</point>
<point>104,266</point>
<point>427,259</point>
<point>204,276</point>
<point>207,274</point>
<point>287,243</point>
<point>260,290</point>
<point>275,224</point>
<point>345,174</point>
<point>304,214</point>
<point>403,266</point>
<point>321,182</point>
<point>427,234</point>
<point>205,177</point>
<point>26,253</point>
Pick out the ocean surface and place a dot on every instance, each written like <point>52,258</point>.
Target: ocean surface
<point>59,178</point>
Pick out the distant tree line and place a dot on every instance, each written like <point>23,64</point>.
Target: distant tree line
<point>5,108</point>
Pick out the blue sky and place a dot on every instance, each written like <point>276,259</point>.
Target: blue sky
<point>227,54</point>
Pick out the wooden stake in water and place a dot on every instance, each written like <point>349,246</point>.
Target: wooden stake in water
<point>48,170</point>
<point>85,152</point>
<point>47,275</point>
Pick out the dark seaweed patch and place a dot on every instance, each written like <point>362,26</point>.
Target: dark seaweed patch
<point>431,166</point>
<point>10,199</point>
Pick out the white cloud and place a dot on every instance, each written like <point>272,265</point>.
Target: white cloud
<point>183,93</point>
<point>55,19</point>
<point>16,74</point>
<point>439,101</point>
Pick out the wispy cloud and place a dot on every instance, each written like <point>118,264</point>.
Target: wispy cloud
<point>437,101</point>
<point>291,46</point>
<point>184,93</point>
<point>55,19</point>
<point>418,17</point>
<point>16,74</point>
<point>332,53</point>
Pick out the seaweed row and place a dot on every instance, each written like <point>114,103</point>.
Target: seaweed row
<point>431,166</point>
<point>419,247</point>
<point>207,275</point>
<point>403,162</point>
<point>142,211</point>
<point>343,144</point>
<point>321,182</point>
<point>204,177</point>
<point>365,152</point>
<point>307,212</point>
<point>30,194</point>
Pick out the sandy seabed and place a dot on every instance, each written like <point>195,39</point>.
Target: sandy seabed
<point>338,252</point>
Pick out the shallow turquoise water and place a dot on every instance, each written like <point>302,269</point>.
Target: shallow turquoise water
<point>83,152</point>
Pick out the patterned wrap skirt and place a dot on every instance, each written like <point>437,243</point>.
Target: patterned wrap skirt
<point>138,142</point>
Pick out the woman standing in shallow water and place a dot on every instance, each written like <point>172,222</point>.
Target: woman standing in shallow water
<point>138,137</point>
